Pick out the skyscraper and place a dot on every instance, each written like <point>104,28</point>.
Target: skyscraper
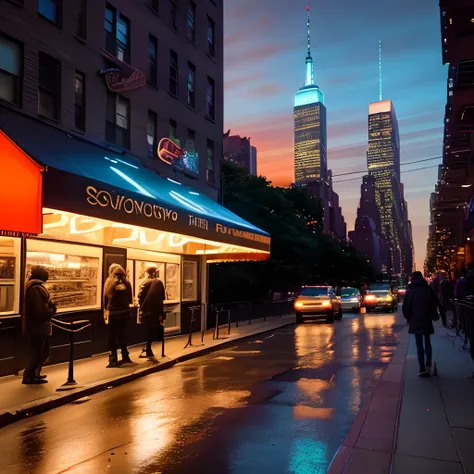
<point>383,163</point>
<point>310,126</point>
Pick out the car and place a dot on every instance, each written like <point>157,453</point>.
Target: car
<point>318,302</point>
<point>351,299</point>
<point>380,297</point>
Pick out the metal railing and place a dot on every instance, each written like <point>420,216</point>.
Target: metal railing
<point>464,321</point>
<point>246,312</point>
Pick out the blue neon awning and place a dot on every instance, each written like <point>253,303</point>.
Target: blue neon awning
<point>77,172</point>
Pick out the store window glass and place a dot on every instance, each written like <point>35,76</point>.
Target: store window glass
<point>74,273</point>
<point>9,276</point>
<point>168,273</point>
<point>190,280</point>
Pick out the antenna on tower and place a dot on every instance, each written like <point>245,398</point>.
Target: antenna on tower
<point>308,9</point>
<point>380,72</point>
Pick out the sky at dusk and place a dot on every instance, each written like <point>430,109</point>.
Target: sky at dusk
<point>265,48</point>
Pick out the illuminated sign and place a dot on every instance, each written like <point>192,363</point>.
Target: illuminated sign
<point>130,206</point>
<point>179,158</point>
<point>120,81</point>
<point>11,233</point>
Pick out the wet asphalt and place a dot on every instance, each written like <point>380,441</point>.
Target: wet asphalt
<point>280,403</point>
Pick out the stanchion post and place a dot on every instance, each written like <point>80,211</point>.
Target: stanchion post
<point>228,322</point>
<point>163,345</point>
<point>216,332</point>
<point>70,376</point>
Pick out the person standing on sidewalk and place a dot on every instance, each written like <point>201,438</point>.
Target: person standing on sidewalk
<point>39,310</point>
<point>118,300</point>
<point>420,308</point>
<point>151,298</point>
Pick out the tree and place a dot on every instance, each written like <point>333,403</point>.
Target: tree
<point>300,252</point>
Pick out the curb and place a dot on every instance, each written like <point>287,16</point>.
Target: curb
<point>55,401</point>
<point>343,455</point>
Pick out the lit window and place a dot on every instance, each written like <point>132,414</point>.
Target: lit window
<point>210,98</point>
<point>80,101</point>
<point>117,41</point>
<point>191,84</point>
<point>151,133</point>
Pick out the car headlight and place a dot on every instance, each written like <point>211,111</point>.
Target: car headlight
<point>326,304</point>
<point>388,298</point>
<point>298,305</point>
<point>354,300</point>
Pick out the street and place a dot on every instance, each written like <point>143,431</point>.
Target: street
<point>280,403</point>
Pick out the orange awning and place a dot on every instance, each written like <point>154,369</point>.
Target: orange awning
<point>21,190</point>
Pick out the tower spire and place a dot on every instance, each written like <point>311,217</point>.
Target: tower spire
<point>309,32</point>
<point>309,60</point>
<point>380,72</point>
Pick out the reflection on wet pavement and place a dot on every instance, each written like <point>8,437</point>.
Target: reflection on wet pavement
<point>282,403</point>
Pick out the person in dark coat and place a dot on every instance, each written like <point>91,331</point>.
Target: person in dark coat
<point>151,298</point>
<point>118,299</point>
<point>420,308</point>
<point>39,310</point>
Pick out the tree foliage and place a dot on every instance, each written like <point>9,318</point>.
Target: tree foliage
<point>301,253</point>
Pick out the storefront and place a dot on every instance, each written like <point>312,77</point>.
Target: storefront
<point>97,208</point>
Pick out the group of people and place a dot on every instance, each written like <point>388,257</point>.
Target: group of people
<point>425,303</point>
<point>118,305</point>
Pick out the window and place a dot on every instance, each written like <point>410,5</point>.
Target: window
<point>152,59</point>
<point>49,86</point>
<point>75,275</point>
<point>117,29</point>
<point>191,141</point>
<point>9,275</point>
<point>191,29</point>
<point>173,130</point>
<point>211,34</point>
<point>117,129</point>
<point>210,163</point>
<point>11,70</point>
<point>173,12</point>
<point>210,92</point>
<point>155,5</point>
<point>151,132</point>
<point>191,84</point>
<point>190,280</point>
<point>81,18</point>
<point>173,86</point>
<point>80,101</point>
<point>51,10</point>
<point>466,72</point>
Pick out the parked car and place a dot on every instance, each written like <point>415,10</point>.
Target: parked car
<point>351,299</point>
<point>381,297</point>
<point>317,302</point>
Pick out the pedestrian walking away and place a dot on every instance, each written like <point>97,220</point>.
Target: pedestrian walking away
<point>118,302</point>
<point>420,308</point>
<point>151,299</point>
<point>39,310</point>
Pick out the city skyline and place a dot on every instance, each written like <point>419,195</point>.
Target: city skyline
<point>345,54</point>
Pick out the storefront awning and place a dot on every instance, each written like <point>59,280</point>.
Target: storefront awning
<point>90,180</point>
<point>20,191</point>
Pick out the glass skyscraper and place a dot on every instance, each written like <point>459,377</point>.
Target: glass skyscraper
<point>310,127</point>
<point>383,163</point>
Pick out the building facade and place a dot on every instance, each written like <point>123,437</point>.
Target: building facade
<point>448,244</point>
<point>60,59</point>
<point>239,150</point>
<point>310,127</point>
<point>383,164</point>
<point>367,237</point>
<point>111,117</point>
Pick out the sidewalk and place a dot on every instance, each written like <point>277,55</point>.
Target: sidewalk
<point>412,425</point>
<point>19,401</point>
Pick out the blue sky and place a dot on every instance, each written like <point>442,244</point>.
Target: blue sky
<point>265,47</point>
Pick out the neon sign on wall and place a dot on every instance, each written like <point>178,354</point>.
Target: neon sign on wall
<point>179,158</point>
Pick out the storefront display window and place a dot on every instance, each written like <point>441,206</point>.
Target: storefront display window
<point>9,275</point>
<point>74,273</point>
<point>190,280</point>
